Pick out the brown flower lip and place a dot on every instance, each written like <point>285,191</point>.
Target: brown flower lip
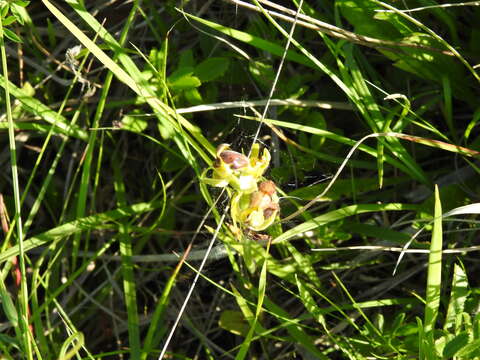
<point>234,159</point>
<point>267,187</point>
<point>270,210</point>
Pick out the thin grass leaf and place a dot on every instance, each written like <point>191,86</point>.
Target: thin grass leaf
<point>77,338</point>
<point>97,221</point>
<point>299,336</point>
<point>432,33</point>
<point>129,287</point>
<point>332,136</point>
<point>464,210</point>
<point>136,83</point>
<point>434,278</point>
<point>8,306</point>
<point>59,290</point>
<point>156,328</point>
<point>372,328</point>
<point>84,188</point>
<point>364,99</point>
<point>369,304</point>
<point>438,144</point>
<point>467,209</point>
<point>39,322</point>
<point>309,302</point>
<point>76,342</point>
<point>356,95</point>
<point>340,214</point>
<point>304,264</point>
<point>448,111</point>
<point>166,115</point>
<point>23,296</point>
<point>37,108</point>
<point>39,196</point>
<point>262,285</point>
<point>458,297</point>
<point>254,325</point>
<point>252,40</point>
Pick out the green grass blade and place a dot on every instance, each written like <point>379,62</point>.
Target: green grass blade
<point>252,40</point>
<point>334,137</point>
<point>298,335</point>
<point>421,339</point>
<point>129,288</point>
<point>157,326</point>
<point>434,34</point>
<point>448,111</point>
<point>26,339</point>
<point>53,294</point>
<point>133,78</point>
<point>340,214</point>
<point>40,195</point>
<point>252,320</point>
<point>75,343</point>
<point>373,330</point>
<point>304,263</point>
<point>434,278</point>
<point>37,108</point>
<point>308,301</point>
<point>8,307</point>
<point>262,285</point>
<point>356,96</point>
<point>96,221</point>
<point>94,49</point>
<point>458,298</point>
<point>85,187</point>
<point>376,121</point>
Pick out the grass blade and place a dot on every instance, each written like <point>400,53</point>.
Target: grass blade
<point>87,223</point>
<point>26,339</point>
<point>340,214</point>
<point>37,108</point>
<point>434,279</point>
<point>458,297</point>
<point>129,288</point>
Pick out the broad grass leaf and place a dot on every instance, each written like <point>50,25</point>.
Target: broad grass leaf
<point>234,322</point>
<point>194,97</point>
<point>9,20</point>
<point>361,14</point>
<point>458,297</point>
<point>431,65</point>
<point>338,215</point>
<point>11,35</point>
<point>8,306</point>
<point>343,187</point>
<point>134,123</point>
<point>453,346</point>
<point>434,277</point>
<point>262,72</point>
<point>470,351</point>
<point>183,79</point>
<point>211,68</point>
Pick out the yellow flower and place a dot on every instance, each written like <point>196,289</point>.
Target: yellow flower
<point>237,170</point>
<point>256,210</point>
<point>254,203</point>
